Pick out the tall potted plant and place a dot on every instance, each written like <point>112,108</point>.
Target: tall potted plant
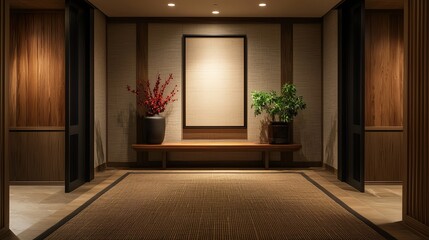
<point>281,109</point>
<point>152,102</point>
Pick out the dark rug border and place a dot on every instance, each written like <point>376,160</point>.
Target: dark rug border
<point>63,221</point>
<point>67,218</point>
<point>349,209</point>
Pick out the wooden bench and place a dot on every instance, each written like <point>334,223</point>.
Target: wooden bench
<point>216,146</point>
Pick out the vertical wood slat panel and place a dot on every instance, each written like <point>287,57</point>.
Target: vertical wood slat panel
<point>37,71</point>
<point>142,75</point>
<point>57,80</point>
<point>30,32</point>
<point>426,106</point>
<point>384,68</point>
<point>4,188</point>
<point>410,120</point>
<point>416,210</point>
<point>287,70</point>
<point>13,72</point>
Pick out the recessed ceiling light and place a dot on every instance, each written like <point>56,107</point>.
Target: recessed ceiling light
<point>215,12</point>
<point>262,4</point>
<point>171,4</point>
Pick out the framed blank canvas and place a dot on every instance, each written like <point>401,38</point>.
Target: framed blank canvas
<point>215,82</point>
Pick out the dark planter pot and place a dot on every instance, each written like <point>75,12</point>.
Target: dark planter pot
<point>154,127</point>
<point>279,133</point>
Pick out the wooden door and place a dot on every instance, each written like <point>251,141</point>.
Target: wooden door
<point>351,93</point>
<point>79,160</point>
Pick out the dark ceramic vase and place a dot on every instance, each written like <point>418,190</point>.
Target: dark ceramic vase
<point>154,129</point>
<point>279,133</point>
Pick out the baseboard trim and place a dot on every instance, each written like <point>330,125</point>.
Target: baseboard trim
<point>100,168</point>
<point>6,233</point>
<point>383,182</point>
<point>416,225</point>
<point>121,164</point>
<point>330,169</point>
<point>214,164</point>
<point>285,164</point>
<point>47,183</point>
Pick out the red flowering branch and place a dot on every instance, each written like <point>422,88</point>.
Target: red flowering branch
<point>153,100</point>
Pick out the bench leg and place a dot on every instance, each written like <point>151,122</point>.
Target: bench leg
<point>164,160</point>
<point>267,159</point>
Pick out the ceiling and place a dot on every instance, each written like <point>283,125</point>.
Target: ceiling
<point>204,8</point>
<point>39,4</point>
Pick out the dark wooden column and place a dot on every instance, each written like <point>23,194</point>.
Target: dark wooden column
<point>4,176</point>
<point>142,75</point>
<point>287,70</point>
<point>416,187</point>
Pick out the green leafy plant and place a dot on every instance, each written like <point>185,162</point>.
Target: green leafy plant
<point>283,107</point>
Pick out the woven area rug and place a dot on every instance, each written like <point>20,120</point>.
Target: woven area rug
<point>215,206</point>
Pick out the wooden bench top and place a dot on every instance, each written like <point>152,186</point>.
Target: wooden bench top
<point>217,146</point>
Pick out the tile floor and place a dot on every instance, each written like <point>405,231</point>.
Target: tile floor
<point>33,209</point>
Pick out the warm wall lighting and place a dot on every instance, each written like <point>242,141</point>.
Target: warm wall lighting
<point>215,12</point>
<point>262,4</point>
<point>171,4</point>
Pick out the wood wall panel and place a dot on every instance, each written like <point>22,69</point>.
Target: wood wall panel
<point>36,156</point>
<point>416,188</point>
<point>36,101</point>
<point>37,68</point>
<point>384,156</point>
<point>384,68</point>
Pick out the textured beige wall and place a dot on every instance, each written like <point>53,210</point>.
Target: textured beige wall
<point>307,76</point>
<point>165,56</point>
<point>100,91</point>
<point>121,70</point>
<point>330,89</point>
